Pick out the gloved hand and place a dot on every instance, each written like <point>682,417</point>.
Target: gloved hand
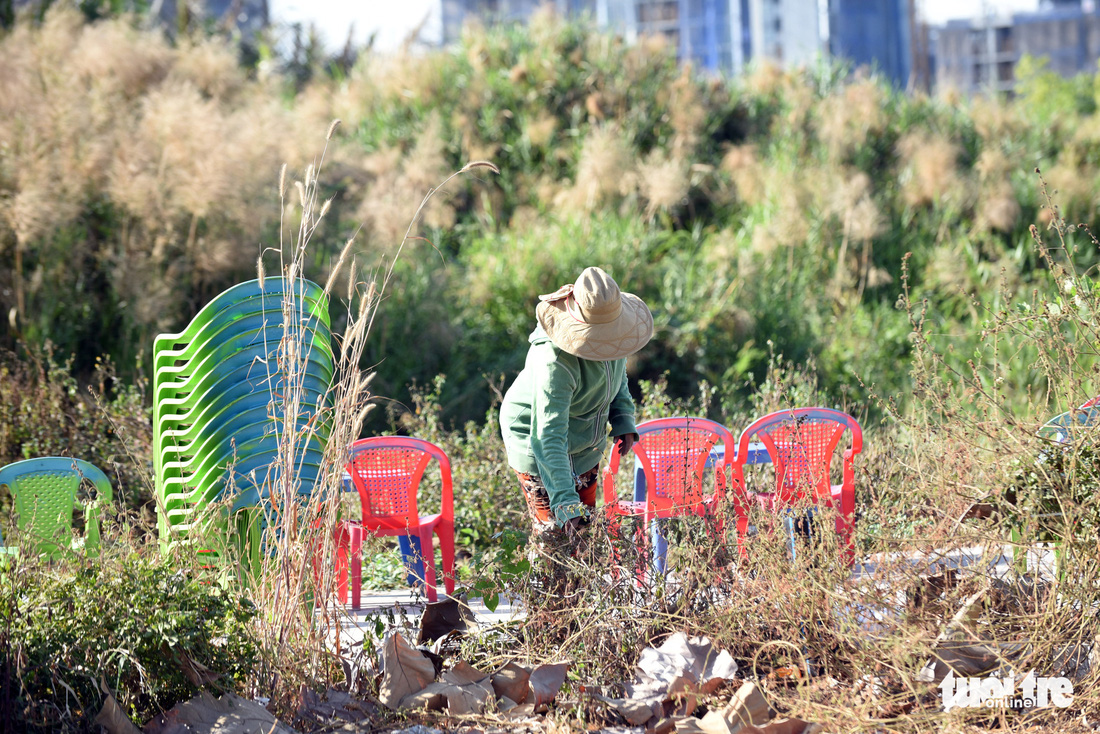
<point>625,442</point>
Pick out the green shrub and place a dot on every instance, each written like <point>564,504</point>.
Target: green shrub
<point>44,411</point>
<point>151,634</point>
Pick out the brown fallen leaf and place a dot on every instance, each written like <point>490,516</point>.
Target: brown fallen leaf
<point>111,717</point>
<point>333,706</point>
<point>635,712</point>
<point>545,682</point>
<point>511,681</point>
<point>784,726</point>
<point>405,670</point>
<point>692,657</point>
<point>468,699</point>
<point>463,674</point>
<point>431,698</point>
<point>682,697</point>
<point>712,723</point>
<point>747,709</point>
<point>440,619</point>
<point>229,714</point>
<point>198,674</point>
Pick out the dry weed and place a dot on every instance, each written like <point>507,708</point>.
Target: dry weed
<point>605,172</point>
<point>930,172</point>
<point>848,119</point>
<point>664,183</point>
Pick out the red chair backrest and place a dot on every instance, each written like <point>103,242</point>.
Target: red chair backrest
<point>386,471</point>
<point>673,453</point>
<point>801,442</point>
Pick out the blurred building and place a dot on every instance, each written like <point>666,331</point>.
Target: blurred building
<point>980,54</point>
<point>787,32</point>
<point>248,17</point>
<point>876,34</point>
<point>715,35</point>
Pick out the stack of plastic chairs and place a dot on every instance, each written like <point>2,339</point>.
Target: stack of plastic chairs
<point>219,388</point>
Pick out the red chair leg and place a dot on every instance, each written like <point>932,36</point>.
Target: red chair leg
<point>342,539</point>
<point>742,532</point>
<point>446,533</point>
<point>427,554</point>
<point>356,566</point>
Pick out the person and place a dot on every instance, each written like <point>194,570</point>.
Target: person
<point>555,415</point>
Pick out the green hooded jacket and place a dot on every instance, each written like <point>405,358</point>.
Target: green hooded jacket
<point>555,416</point>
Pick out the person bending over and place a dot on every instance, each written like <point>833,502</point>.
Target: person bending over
<point>555,416</point>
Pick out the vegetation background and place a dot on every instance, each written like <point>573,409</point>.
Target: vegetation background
<point>803,237</point>
<point>767,213</point>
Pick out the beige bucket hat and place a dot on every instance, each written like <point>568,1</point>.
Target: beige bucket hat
<point>592,319</point>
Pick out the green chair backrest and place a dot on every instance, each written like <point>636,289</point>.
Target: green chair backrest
<point>45,492</point>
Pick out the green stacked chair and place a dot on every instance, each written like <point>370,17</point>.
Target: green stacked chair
<point>218,400</point>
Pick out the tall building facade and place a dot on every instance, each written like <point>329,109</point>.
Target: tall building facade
<point>980,55</point>
<point>874,33</point>
<point>787,32</point>
<point>720,36</point>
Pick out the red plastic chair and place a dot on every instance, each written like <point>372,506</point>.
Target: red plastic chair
<point>386,471</point>
<point>801,443</point>
<point>673,453</point>
<point>1092,403</point>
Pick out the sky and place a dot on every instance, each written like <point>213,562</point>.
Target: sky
<point>393,19</point>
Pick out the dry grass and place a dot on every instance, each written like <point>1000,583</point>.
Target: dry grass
<point>930,173</point>
<point>606,172</point>
<point>182,145</point>
<point>398,179</point>
<point>847,119</point>
<point>664,183</point>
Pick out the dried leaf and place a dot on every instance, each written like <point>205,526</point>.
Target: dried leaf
<point>511,682</point>
<point>406,670</point>
<point>198,674</point>
<point>463,674</point>
<point>336,705</point>
<point>784,726</point>
<point>468,699</point>
<point>111,717</point>
<point>440,619</point>
<point>546,681</point>
<point>748,707</point>
<point>634,711</point>
<point>229,714</point>
<point>712,723</point>
<point>432,698</point>
<point>682,693</point>
<point>679,655</point>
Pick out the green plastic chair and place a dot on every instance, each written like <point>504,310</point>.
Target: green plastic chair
<point>216,405</point>
<point>45,492</point>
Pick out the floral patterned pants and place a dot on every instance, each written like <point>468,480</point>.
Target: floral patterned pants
<point>538,500</point>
